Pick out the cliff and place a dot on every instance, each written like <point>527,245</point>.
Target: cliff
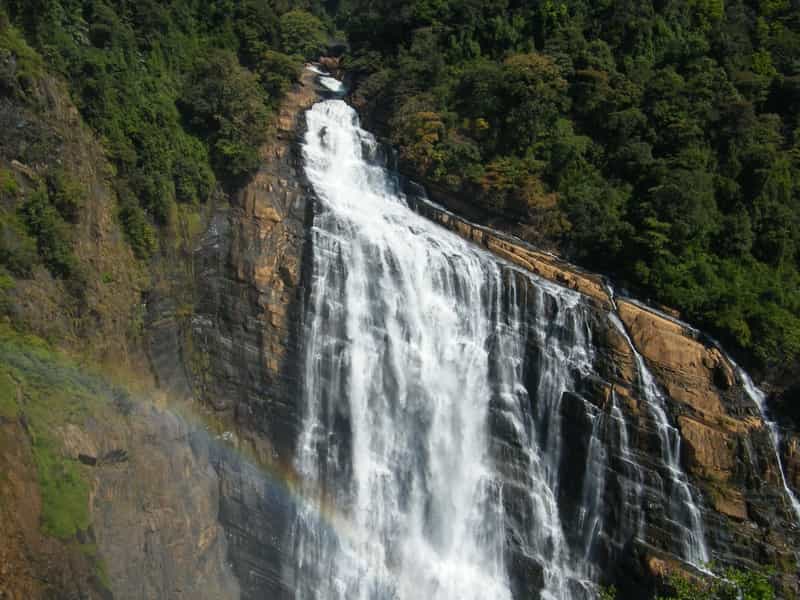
<point>726,446</point>
<point>107,491</point>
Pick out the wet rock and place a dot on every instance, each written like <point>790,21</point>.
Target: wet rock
<point>726,448</point>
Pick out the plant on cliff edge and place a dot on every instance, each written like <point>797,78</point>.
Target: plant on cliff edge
<point>733,585</point>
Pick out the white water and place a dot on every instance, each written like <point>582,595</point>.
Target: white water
<point>760,401</point>
<point>753,391</point>
<point>412,334</point>
<point>682,508</point>
<point>398,348</point>
<point>632,481</point>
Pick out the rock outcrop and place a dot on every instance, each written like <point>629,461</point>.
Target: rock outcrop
<point>246,347</point>
<point>249,281</point>
<point>220,326</point>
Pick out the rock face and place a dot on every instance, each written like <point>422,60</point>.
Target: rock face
<point>100,322</point>
<point>726,447</point>
<point>220,325</point>
<point>155,507</point>
<point>250,289</point>
<point>244,355</point>
<point>33,565</point>
<point>175,514</point>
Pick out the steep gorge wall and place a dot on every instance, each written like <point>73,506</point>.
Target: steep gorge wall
<point>239,354</point>
<point>251,276</point>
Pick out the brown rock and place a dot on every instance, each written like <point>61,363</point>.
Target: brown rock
<point>731,503</point>
<point>688,369</point>
<point>711,451</point>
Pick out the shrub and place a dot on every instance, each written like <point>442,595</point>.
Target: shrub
<point>140,234</point>
<point>17,248</point>
<point>52,236</point>
<point>194,180</point>
<point>225,103</point>
<point>67,194</point>
<point>277,71</point>
<point>8,183</point>
<point>733,585</point>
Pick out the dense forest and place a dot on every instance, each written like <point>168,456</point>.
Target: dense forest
<point>658,142</point>
<point>655,141</point>
<point>181,93</point>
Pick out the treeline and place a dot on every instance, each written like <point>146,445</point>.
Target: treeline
<point>657,141</point>
<point>182,93</point>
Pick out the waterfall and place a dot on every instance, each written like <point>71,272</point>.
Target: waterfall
<point>683,511</point>
<point>415,357</point>
<point>760,400</point>
<point>397,389</point>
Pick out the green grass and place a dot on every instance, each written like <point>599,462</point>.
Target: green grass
<point>64,490</point>
<point>8,183</point>
<point>55,391</point>
<point>52,389</point>
<point>102,574</point>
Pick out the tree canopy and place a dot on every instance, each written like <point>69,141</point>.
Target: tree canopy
<point>182,93</point>
<point>658,142</point>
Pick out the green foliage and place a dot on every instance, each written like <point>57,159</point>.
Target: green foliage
<point>140,233</point>
<point>225,103</point>
<point>8,184</point>
<point>64,489</point>
<point>66,194</point>
<point>132,65</point>
<point>20,65</point>
<point>608,593</point>
<point>302,33</point>
<point>18,251</point>
<point>8,395</point>
<point>277,72</point>
<point>52,392</point>
<point>664,133</point>
<point>733,585</point>
<point>51,232</point>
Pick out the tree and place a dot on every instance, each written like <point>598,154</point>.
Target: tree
<point>51,233</point>
<point>225,102</point>
<point>277,72</point>
<point>302,33</point>
<point>733,585</point>
<point>533,95</point>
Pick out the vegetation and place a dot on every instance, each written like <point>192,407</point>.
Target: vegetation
<point>223,101</point>
<point>48,227</point>
<point>51,392</point>
<point>182,93</point>
<point>656,141</point>
<point>302,33</point>
<point>735,585</point>
<point>18,253</point>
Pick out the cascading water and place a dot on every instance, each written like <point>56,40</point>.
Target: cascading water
<point>397,385</point>
<point>413,337</point>
<point>760,400</point>
<point>683,510</point>
<point>447,448</point>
